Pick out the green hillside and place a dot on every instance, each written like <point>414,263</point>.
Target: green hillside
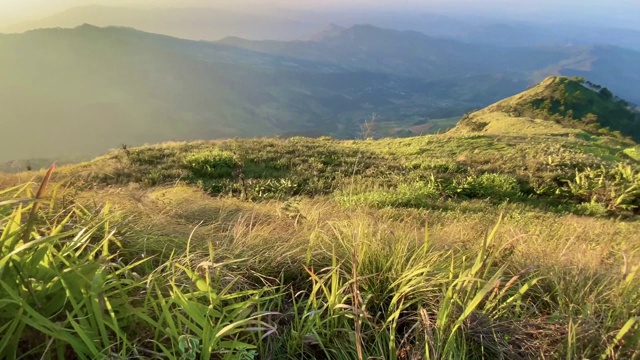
<point>558,105</point>
<point>273,247</point>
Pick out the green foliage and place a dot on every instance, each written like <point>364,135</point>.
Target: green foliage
<point>611,188</point>
<point>419,194</point>
<point>68,289</point>
<point>424,194</point>
<point>412,172</point>
<point>633,152</point>
<point>606,94</point>
<point>573,105</point>
<point>491,185</point>
<point>212,164</point>
<point>592,208</point>
<point>343,286</point>
<point>377,290</point>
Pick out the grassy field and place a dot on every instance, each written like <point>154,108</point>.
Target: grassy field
<point>434,247</point>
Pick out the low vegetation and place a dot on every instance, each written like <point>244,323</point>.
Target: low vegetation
<point>465,245</point>
<point>172,273</point>
<point>557,174</point>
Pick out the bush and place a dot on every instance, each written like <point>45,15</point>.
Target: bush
<point>591,209</point>
<point>212,164</point>
<point>492,185</point>
<point>418,194</point>
<point>615,188</point>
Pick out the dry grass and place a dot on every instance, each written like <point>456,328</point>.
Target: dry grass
<point>536,238</point>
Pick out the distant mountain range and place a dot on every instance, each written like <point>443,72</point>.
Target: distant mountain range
<point>189,23</point>
<point>270,22</point>
<point>77,92</point>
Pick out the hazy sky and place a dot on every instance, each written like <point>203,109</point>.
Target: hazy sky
<point>612,12</point>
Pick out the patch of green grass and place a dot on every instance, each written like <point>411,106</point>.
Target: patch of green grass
<point>633,153</point>
<point>260,169</point>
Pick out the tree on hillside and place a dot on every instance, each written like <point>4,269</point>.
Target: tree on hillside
<point>579,79</point>
<point>606,93</point>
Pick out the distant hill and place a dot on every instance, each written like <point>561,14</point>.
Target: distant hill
<point>328,32</point>
<point>555,106</point>
<point>406,53</point>
<point>78,92</point>
<point>274,23</point>
<point>410,53</point>
<point>189,23</point>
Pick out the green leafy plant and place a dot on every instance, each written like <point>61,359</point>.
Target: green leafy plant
<point>211,164</point>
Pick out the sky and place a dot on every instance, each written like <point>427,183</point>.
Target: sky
<point>621,13</point>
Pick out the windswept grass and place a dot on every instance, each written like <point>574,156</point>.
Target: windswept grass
<point>171,273</point>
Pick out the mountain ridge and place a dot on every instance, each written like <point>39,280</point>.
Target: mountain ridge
<point>557,105</point>
<point>194,23</point>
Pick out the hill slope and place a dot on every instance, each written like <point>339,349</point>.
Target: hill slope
<point>558,105</point>
<point>297,226</point>
<point>405,224</point>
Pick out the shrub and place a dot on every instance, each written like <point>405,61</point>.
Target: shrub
<point>615,188</point>
<point>418,194</point>
<point>491,185</point>
<point>592,208</point>
<point>212,164</point>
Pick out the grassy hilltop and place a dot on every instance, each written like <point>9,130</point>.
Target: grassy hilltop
<point>558,105</point>
<point>485,242</point>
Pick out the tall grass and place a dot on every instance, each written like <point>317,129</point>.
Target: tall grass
<point>351,287</point>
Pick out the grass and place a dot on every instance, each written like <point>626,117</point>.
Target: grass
<point>558,105</point>
<point>172,273</point>
<point>433,247</point>
<point>545,168</point>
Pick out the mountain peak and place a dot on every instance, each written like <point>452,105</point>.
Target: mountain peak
<point>557,105</point>
<point>86,26</point>
<point>330,31</point>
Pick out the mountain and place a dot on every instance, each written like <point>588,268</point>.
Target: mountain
<point>78,92</point>
<point>406,53</point>
<point>328,32</point>
<point>414,54</point>
<point>505,33</point>
<point>276,23</point>
<point>102,87</point>
<point>189,23</point>
<point>558,105</point>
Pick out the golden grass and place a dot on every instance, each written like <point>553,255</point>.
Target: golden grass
<point>536,238</point>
